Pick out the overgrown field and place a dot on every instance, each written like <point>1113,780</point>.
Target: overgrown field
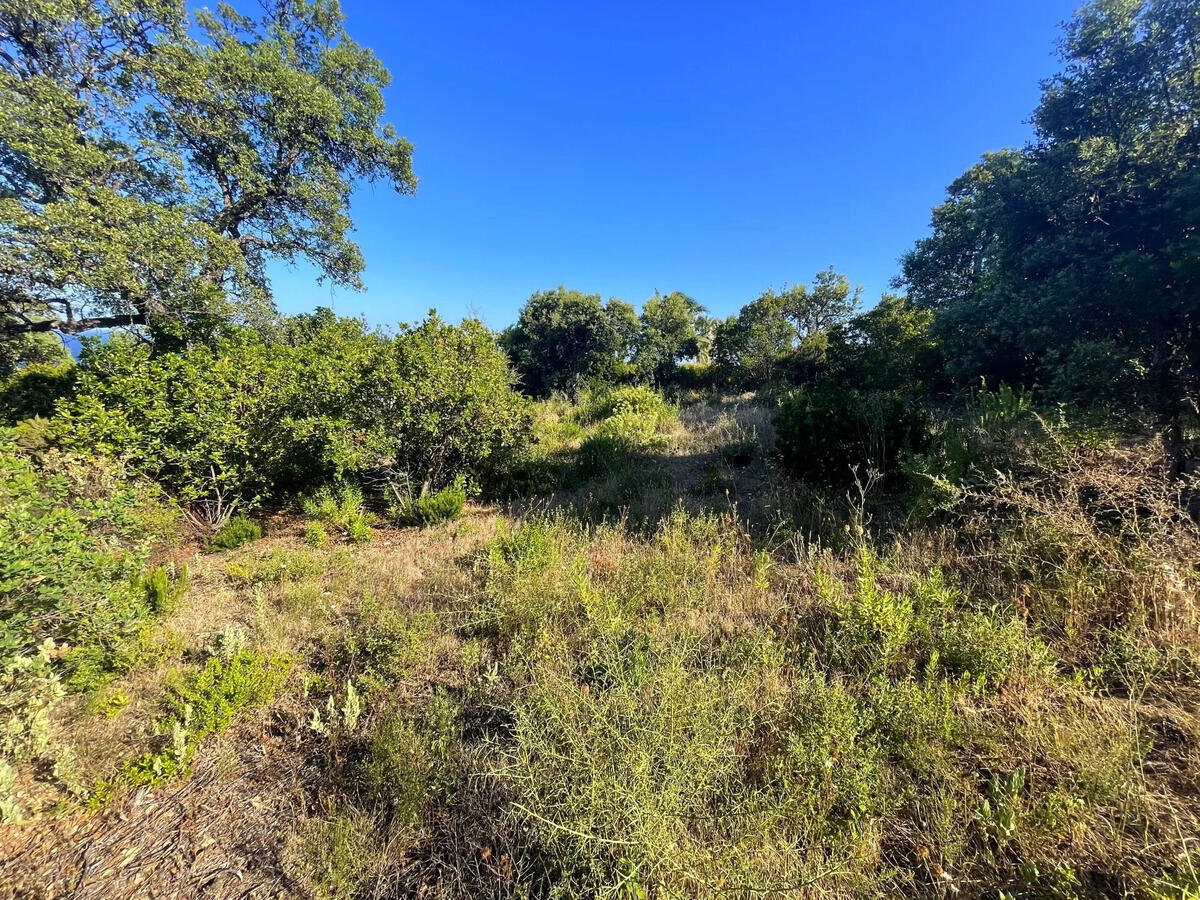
<point>666,668</point>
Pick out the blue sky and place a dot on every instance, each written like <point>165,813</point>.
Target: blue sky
<point>710,147</point>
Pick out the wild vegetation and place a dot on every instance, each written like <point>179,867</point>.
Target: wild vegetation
<point>809,601</point>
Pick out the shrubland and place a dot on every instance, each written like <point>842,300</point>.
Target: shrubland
<point>805,602</point>
<point>253,419</point>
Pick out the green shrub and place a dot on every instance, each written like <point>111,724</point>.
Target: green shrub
<point>740,452</point>
<point>927,628</point>
<point>164,585</point>
<point>820,759</point>
<point>358,531</point>
<point>315,535</point>
<point>75,535</point>
<point>637,401</point>
<point>829,434</point>
<point>409,761</point>
<point>383,644</point>
<point>333,857</point>
<point>30,690</point>
<point>204,702</point>
<point>625,422</point>
<point>234,533</point>
<point>890,347</point>
<point>441,506</point>
<point>341,505</point>
<point>969,446</point>
<point>250,419</point>
<point>603,455</point>
<point>34,390</point>
<point>696,377</point>
<point>713,482</point>
<point>562,339</point>
<point>208,699</point>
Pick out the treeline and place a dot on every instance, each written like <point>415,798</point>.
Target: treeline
<point>254,417</point>
<point>565,340</point>
<point>1070,267</point>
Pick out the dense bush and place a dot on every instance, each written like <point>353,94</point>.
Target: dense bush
<point>782,336</point>
<point>24,351</point>
<point>75,537</point>
<point>439,506</point>
<point>444,405</point>
<point>970,444</point>
<point>33,390</point>
<point>237,531</point>
<point>214,424</point>
<point>564,338</point>
<point>891,347</point>
<point>832,434</point>
<point>76,596</point>
<point>636,400</point>
<point>249,419</point>
<point>670,331</point>
<point>1035,255</point>
<point>623,423</point>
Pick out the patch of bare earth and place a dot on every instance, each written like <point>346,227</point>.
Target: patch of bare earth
<point>219,833</point>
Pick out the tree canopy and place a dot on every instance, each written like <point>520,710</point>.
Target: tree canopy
<point>563,337</point>
<point>779,325</point>
<point>1073,263</point>
<point>669,334</point>
<point>151,164</point>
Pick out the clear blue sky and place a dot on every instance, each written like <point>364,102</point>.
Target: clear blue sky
<point>716,148</point>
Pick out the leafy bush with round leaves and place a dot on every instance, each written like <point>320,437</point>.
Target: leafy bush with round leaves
<point>33,390</point>
<point>251,418</point>
<point>75,538</point>
<point>829,433</point>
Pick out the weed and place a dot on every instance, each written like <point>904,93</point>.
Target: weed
<point>335,856</point>
<point>108,704</point>
<point>236,532</point>
<point>430,509</point>
<point>381,644</point>
<point>342,506</point>
<point>713,482</point>
<point>998,814</point>
<point>315,535</point>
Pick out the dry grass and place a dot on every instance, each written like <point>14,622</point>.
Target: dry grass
<point>648,687</point>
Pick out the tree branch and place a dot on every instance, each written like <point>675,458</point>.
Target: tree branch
<point>71,326</point>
